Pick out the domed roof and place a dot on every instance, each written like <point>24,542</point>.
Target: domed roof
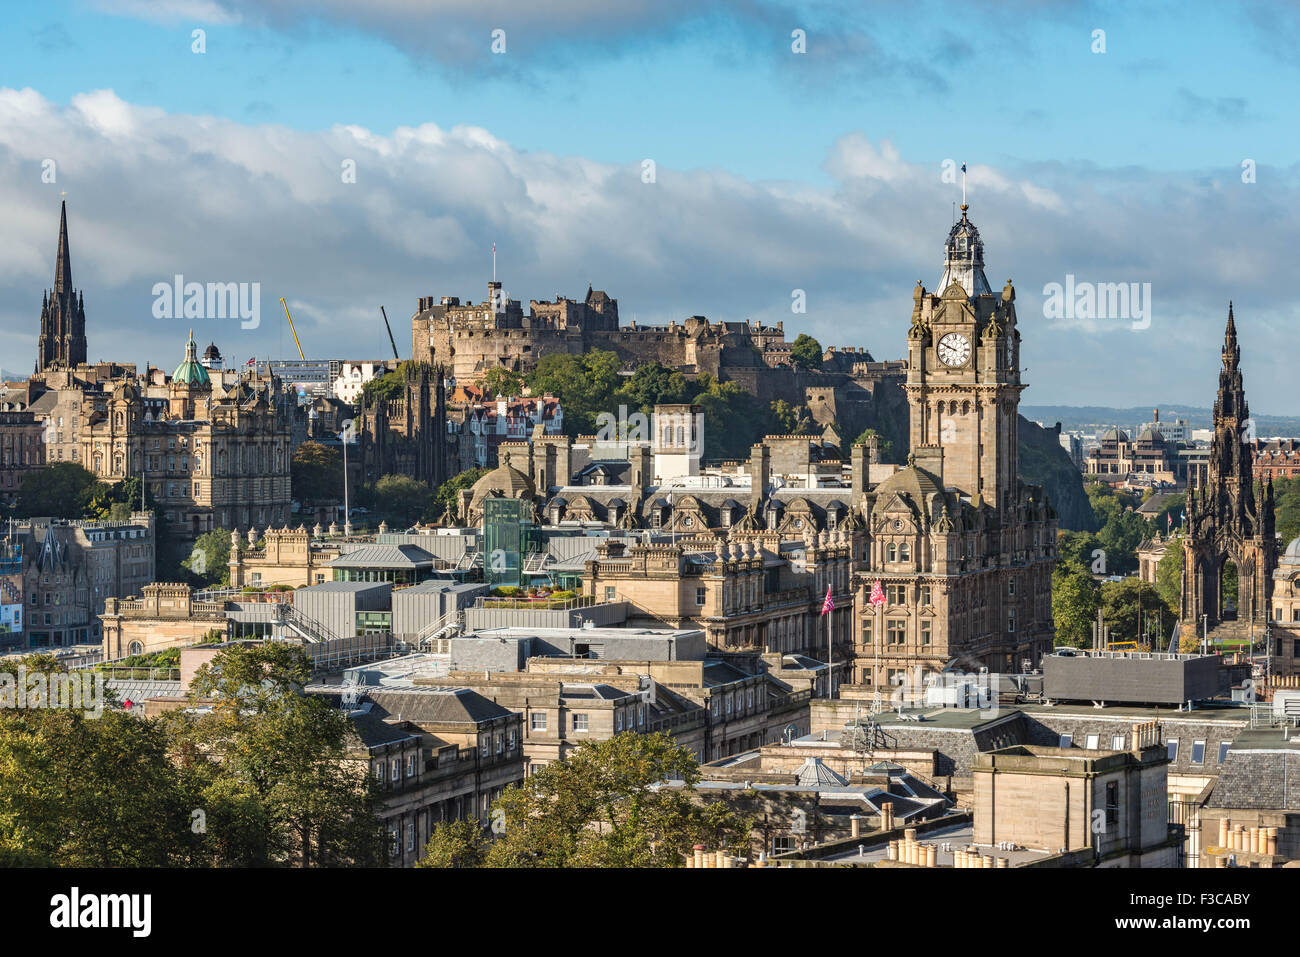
<point>1150,435</point>
<point>1292,554</point>
<point>190,371</point>
<point>212,352</point>
<point>1114,435</point>
<point>911,481</point>
<point>505,481</point>
<point>964,259</point>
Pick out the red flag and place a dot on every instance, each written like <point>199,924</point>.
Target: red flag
<point>128,703</point>
<point>828,605</point>
<point>877,594</point>
<point>251,362</point>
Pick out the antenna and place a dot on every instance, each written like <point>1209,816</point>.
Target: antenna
<point>494,262</point>
<point>963,187</point>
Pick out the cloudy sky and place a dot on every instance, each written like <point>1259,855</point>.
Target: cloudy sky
<point>1161,151</point>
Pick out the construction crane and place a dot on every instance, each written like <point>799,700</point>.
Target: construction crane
<point>292,329</point>
<point>391,340</point>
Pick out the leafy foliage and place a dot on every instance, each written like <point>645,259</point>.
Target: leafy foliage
<point>806,352</point>
<point>400,500</point>
<point>598,808</point>
<point>502,382</point>
<point>460,843</point>
<point>209,562</point>
<point>1075,600</point>
<point>316,473</point>
<point>60,490</point>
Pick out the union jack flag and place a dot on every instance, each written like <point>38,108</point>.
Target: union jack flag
<point>877,594</point>
<point>828,605</point>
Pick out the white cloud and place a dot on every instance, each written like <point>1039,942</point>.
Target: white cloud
<point>152,194</point>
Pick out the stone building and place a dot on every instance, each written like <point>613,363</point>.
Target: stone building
<point>1276,458</point>
<point>22,451</point>
<point>1110,801</point>
<point>213,455</point>
<point>962,549</point>
<point>62,342</point>
<point>407,435</point>
<point>754,593</point>
<point>1151,458</point>
<point>166,615</point>
<point>437,754</point>
<point>70,568</point>
<point>1228,521</point>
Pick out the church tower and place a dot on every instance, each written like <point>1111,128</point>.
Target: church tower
<point>1227,519</point>
<point>963,378</point>
<point>62,343</point>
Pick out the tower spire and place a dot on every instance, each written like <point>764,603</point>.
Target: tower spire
<point>63,266</point>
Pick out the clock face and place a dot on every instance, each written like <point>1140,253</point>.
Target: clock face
<point>954,349</point>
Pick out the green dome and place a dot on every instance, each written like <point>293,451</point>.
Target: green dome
<point>191,372</point>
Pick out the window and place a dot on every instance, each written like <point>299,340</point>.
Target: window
<point>1172,746</point>
<point>895,631</point>
<point>1011,620</point>
<point>510,740</point>
<point>1066,740</point>
<point>538,719</point>
<point>904,552</point>
<point>487,746</point>
<point>410,765</point>
<point>891,552</point>
<point>868,631</point>
<point>579,722</point>
<point>379,772</point>
<point>1091,742</point>
<point>925,631</point>
<point>618,721</point>
<point>1011,586</point>
<point>925,594</point>
<point>410,837</point>
<point>610,592</point>
<point>1112,802</point>
<point>1117,743</point>
<point>392,841</point>
<point>501,744</point>
<point>782,845</point>
<point>699,596</point>
<point>1198,752</point>
<point>396,769</point>
<point>1223,750</point>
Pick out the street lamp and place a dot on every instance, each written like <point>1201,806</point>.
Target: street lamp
<point>346,436</point>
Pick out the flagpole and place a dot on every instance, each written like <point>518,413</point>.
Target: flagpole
<point>830,654</point>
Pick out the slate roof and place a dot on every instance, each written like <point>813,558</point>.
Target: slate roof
<point>384,556</point>
<point>1261,771</point>
<point>433,706</point>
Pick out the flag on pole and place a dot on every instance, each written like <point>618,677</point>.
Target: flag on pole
<point>828,605</point>
<point>877,594</point>
<point>1169,521</point>
<point>251,362</point>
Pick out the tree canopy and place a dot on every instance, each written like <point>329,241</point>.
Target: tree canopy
<point>806,352</point>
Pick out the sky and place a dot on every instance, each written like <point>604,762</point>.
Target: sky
<point>690,159</point>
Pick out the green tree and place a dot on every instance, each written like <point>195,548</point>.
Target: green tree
<point>503,382</point>
<point>386,387</point>
<point>460,843</point>
<point>445,496</point>
<point>1286,508</point>
<point>650,385</point>
<point>1169,573</point>
<point>316,473</point>
<point>400,500</point>
<point>277,756</point>
<point>58,490</point>
<point>1122,603</point>
<point>886,447</point>
<point>806,352</point>
<point>585,385</point>
<point>209,561</point>
<point>732,421</point>
<point>1075,599</point>
<point>599,808</point>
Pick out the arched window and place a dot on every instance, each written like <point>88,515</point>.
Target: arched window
<point>904,552</point>
<point>891,553</point>
<point>135,648</point>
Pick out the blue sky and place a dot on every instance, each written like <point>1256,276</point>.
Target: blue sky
<point>776,170</point>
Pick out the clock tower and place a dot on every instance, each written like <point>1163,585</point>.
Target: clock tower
<point>963,377</point>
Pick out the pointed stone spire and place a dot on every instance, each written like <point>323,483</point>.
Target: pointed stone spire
<point>63,266</point>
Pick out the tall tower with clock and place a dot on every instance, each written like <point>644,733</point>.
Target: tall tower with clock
<point>961,548</point>
<point>963,378</point>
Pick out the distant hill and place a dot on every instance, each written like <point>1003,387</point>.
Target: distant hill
<point>1076,417</point>
<point>7,376</point>
<point>1043,462</point>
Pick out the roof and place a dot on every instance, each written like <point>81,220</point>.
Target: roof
<point>815,774</point>
<point>433,706</point>
<point>384,556</point>
<point>191,371</point>
<point>351,587</point>
<point>1260,771</point>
